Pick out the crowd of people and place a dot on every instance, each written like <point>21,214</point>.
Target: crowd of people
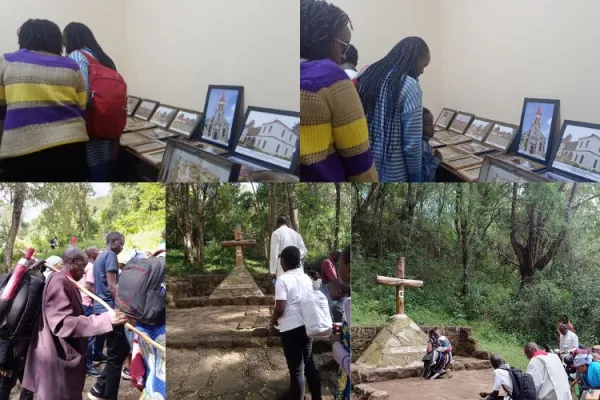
<point>44,102</point>
<point>291,286</point>
<point>69,339</point>
<point>361,126</point>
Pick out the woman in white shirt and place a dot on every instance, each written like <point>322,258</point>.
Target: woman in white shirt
<point>290,288</point>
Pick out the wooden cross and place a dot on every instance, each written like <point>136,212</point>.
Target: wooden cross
<point>239,244</point>
<point>400,284</point>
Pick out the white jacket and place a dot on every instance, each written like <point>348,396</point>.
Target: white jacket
<point>551,381</point>
<point>280,239</point>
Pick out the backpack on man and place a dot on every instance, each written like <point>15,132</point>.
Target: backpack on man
<point>106,116</point>
<point>523,385</point>
<point>141,292</point>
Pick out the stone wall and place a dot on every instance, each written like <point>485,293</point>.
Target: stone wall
<point>463,342</point>
<point>204,285</point>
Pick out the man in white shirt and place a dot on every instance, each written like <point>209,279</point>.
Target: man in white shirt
<point>281,238</point>
<point>548,373</point>
<point>350,62</point>
<point>568,340</point>
<point>502,380</point>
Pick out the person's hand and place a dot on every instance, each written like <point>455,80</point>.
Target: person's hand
<point>118,317</point>
<point>273,322</point>
<point>337,327</point>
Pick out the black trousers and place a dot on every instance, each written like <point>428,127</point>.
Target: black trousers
<point>66,163</point>
<point>297,348</point>
<point>7,383</point>
<point>117,350</point>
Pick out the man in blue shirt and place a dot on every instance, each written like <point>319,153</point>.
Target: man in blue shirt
<point>106,277</point>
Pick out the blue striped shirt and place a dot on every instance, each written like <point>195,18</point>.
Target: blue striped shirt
<point>404,162</point>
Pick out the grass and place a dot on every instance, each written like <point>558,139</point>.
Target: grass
<point>489,337</point>
<point>213,264</point>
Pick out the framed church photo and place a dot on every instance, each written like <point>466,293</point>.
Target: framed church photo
<point>578,154</point>
<point>501,136</point>
<point>270,138</point>
<point>495,170</point>
<point>444,119</point>
<point>185,163</point>
<point>186,122</point>
<point>461,122</point>
<point>146,109</point>
<point>163,116</point>
<point>519,162</point>
<point>222,112</point>
<point>479,129</point>
<point>132,105</point>
<point>539,124</point>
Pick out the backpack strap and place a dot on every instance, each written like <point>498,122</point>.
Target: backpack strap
<point>89,57</point>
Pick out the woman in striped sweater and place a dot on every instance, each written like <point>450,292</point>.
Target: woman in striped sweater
<point>334,140</point>
<point>42,98</point>
<point>393,103</point>
<point>101,154</point>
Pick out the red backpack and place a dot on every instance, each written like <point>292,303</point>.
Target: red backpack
<point>107,115</point>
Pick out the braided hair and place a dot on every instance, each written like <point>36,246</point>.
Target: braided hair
<point>391,71</point>
<point>40,35</point>
<point>78,37</point>
<point>320,22</point>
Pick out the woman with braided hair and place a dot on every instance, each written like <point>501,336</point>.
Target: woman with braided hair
<point>334,140</point>
<point>393,104</point>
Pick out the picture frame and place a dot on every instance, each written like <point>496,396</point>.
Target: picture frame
<point>133,138</point>
<point>501,136</point>
<point>461,122</point>
<point>146,109</point>
<point>578,154</point>
<point>538,130</point>
<point>455,140</point>
<point>435,143</point>
<point>464,162</point>
<point>475,148</point>
<point>132,105</point>
<point>270,138</point>
<point>186,122</point>
<point>157,134</point>
<point>443,135</point>
<point>222,113</point>
<point>451,153</point>
<point>136,125</point>
<point>154,157</point>
<point>164,115</point>
<point>479,129</point>
<point>148,147</point>
<point>444,120</point>
<point>470,174</point>
<point>495,170</point>
<point>189,164</point>
<point>519,162</point>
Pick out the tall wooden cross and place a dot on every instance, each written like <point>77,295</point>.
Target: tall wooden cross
<point>400,284</point>
<point>239,244</point>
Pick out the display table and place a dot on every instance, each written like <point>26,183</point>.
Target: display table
<point>131,167</point>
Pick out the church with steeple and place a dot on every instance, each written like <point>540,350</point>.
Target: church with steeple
<point>533,141</point>
<point>217,127</point>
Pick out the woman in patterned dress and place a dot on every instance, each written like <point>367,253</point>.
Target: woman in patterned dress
<point>439,355</point>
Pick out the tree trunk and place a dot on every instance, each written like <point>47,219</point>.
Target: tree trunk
<point>338,201</point>
<point>272,206</point>
<point>293,207</point>
<point>19,197</point>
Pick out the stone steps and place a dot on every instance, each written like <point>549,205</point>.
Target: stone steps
<point>192,302</point>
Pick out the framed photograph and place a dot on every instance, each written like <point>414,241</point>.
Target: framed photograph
<point>155,157</point>
<point>458,139</point>
<point>520,162</point>
<point>250,174</point>
<point>186,122</point>
<point>163,116</point>
<point>479,129</point>
<point>538,128</point>
<point>270,138</point>
<point>135,125</point>
<point>148,147</point>
<point>464,162</point>
<point>157,134</point>
<point>470,174</point>
<point>211,149</point>
<point>221,115</point>
<point>579,151</point>
<point>189,164</point>
<point>461,122</point>
<point>130,139</point>
<point>444,119</point>
<point>498,171</point>
<point>132,105</point>
<point>501,136</point>
<point>475,148</point>
<point>435,143</point>
<point>443,135</point>
<point>146,109</point>
<point>451,153</point>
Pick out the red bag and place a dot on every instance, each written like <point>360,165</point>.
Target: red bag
<point>107,115</point>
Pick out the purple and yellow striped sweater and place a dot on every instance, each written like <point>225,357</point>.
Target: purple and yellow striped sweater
<point>42,99</point>
<point>334,138</point>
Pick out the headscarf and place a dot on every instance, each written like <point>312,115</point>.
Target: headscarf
<point>582,359</point>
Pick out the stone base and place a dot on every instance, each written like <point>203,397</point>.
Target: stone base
<point>239,283</point>
<point>191,302</point>
<point>400,343</point>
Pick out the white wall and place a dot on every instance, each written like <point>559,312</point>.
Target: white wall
<point>105,18</point>
<point>177,49</point>
<point>379,26</point>
<point>497,52</point>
